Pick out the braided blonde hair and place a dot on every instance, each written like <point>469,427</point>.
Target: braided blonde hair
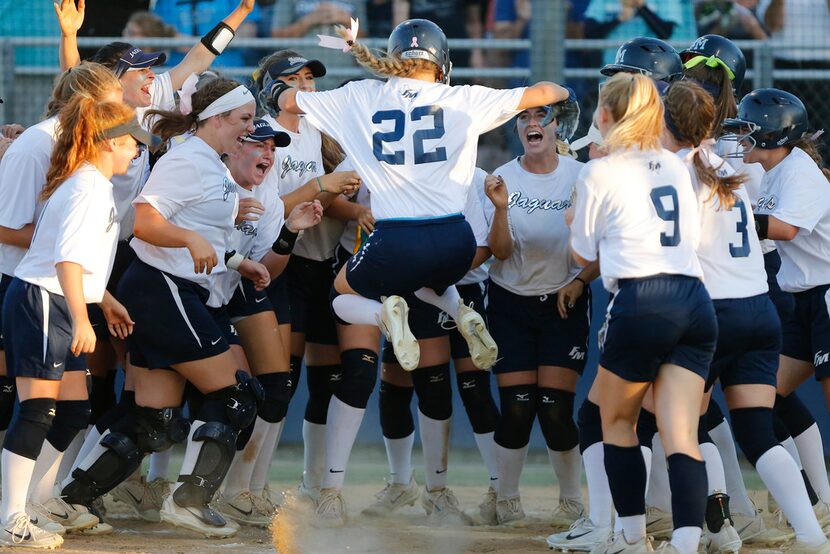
<point>385,65</point>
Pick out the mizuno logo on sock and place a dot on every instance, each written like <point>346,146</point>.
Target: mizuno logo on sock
<point>525,397</point>
<point>548,400</point>
<point>368,358</point>
<point>468,384</point>
<point>52,412</point>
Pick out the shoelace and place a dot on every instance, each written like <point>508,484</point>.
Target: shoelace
<point>581,523</point>
<point>382,493</point>
<point>21,527</point>
<point>570,505</point>
<point>328,505</point>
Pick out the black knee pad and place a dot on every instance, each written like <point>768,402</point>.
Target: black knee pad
<point>121,458</point>
<point>646,428</point>
<point>101,396</point>
<point>714,415</point>
<point>781,431</point>
<point>159,429</point>
<point>322,381</point>
<point>278,391</point>
<point>360,373</point>
<point>29,428</point>
<point>434,390</point>
<point>793,413</point>
<point>8,394</point>
<point>754,431</point>
<point>555,409</point>
<point>214,458</point>
<point>71,417</point>
<point>703,431</point>
<point>295,369</point>
<point>518,410</point>
<point>395,412</point>
<point>590,425</point>
<point>474,389</point>
<point>235,405</point>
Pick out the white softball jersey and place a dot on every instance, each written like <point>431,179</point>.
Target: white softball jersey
<point>636,210</point>
<point>475,214</point>
<point>796,192</point>
<point>413,142</point>
<point>22,177</point>
<point>192,189</point>
<point>541,262</point>
<point>729,251</point>
<point>77,225</point>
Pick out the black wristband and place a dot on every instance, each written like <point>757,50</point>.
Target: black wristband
<point>277,88</point>
<point>581,280</point>
<point>218,38</point>
<point>762,225</point>
<point>285,242</point>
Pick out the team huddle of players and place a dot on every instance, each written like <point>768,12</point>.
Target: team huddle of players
<point>212,240</point>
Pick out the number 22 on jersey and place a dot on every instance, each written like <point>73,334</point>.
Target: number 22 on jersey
<point>398,157</point>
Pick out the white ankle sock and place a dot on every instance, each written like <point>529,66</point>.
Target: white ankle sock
<point>342,424</point>
<point>739,501</point>
<point>658,493</point>
<point>435,442</point>
<point>511,462</point>
<point>568,468</point>
<point>811,450</point>
<point>42,486</point>
<point>599,493</point>
<point>399,455</point>
<point>262,467</point>
<point>686,539</point>
<point>447,302</point>
<point>17,474</point>
<point>781,476</point>
<point>357,309</point>
<point>314,454</point>
<point>714,468</point>
<point>159,463</point>
<point>487,449</point>
<point>238,478</point>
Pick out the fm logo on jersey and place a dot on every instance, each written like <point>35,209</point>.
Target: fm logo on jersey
<point>530,205</point>
<point>297,166</point>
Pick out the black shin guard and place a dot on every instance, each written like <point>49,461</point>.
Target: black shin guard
<point>218,444</point>
<point>395,412</point>
<point>717,511</point>
<point>474,389</point>
<point>118,461</point>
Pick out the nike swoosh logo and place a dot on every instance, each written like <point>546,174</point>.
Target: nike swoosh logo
<point>62,516</point>
<point>243,512</point>
<point>131,495</point>
<point>26,537</point>
<point>57,365</point>
<point>215,342</point>
<point>440,471</point>
<point>258,300</point>
<point>571,536</point>
<point>336,470</point>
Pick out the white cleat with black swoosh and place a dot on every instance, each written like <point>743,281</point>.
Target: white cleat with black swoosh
<point>618,544</point>
<point>583,536</point>
<point>73,517</point>
<point>20,532</point>
<point>202,519</point>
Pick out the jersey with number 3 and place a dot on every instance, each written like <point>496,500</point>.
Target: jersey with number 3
<point>637,210</point>
<point>412,142</point>
<point>729,251</point>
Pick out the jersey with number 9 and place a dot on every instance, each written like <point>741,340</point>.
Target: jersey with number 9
<point>638,212</point>
<point>412,142</point>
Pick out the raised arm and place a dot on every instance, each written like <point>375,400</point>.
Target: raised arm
<point>200,57</point>
<point>70,19</point>
<point>542,93</point>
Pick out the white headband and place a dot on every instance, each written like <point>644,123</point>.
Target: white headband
<point>227,102</point>
<point>593,137</point>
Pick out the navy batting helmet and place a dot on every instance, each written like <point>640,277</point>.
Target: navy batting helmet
<point>716,50</point>
<point>649,56</point>
<point>421,39</point>
<point>769,118</point>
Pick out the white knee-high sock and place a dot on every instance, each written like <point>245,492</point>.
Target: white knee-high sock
<point>42,486</point>
<point>783,479</point>
<point>568,468</point>
<point>17,474</point>
<point>658,493</point>
<point>314,454</point>
<point>714,468</point>
<point>511,462</point>
<point>447,302</point>
<point>487,449</point>
<point>93,437</point>
<point>159,464</point>
<point>262,468</point>
<point>399,455</point>
<point>242,467</point>
<point>811,450</point>
<point>646,452</point>
<point>739,501</point>
<point>342,424</point>
<point>599,493</point>
<point>357,309</point>
<point>435,442</point>
<point>69,457</point>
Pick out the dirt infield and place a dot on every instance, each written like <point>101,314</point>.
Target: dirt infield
<point>405,532</point>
